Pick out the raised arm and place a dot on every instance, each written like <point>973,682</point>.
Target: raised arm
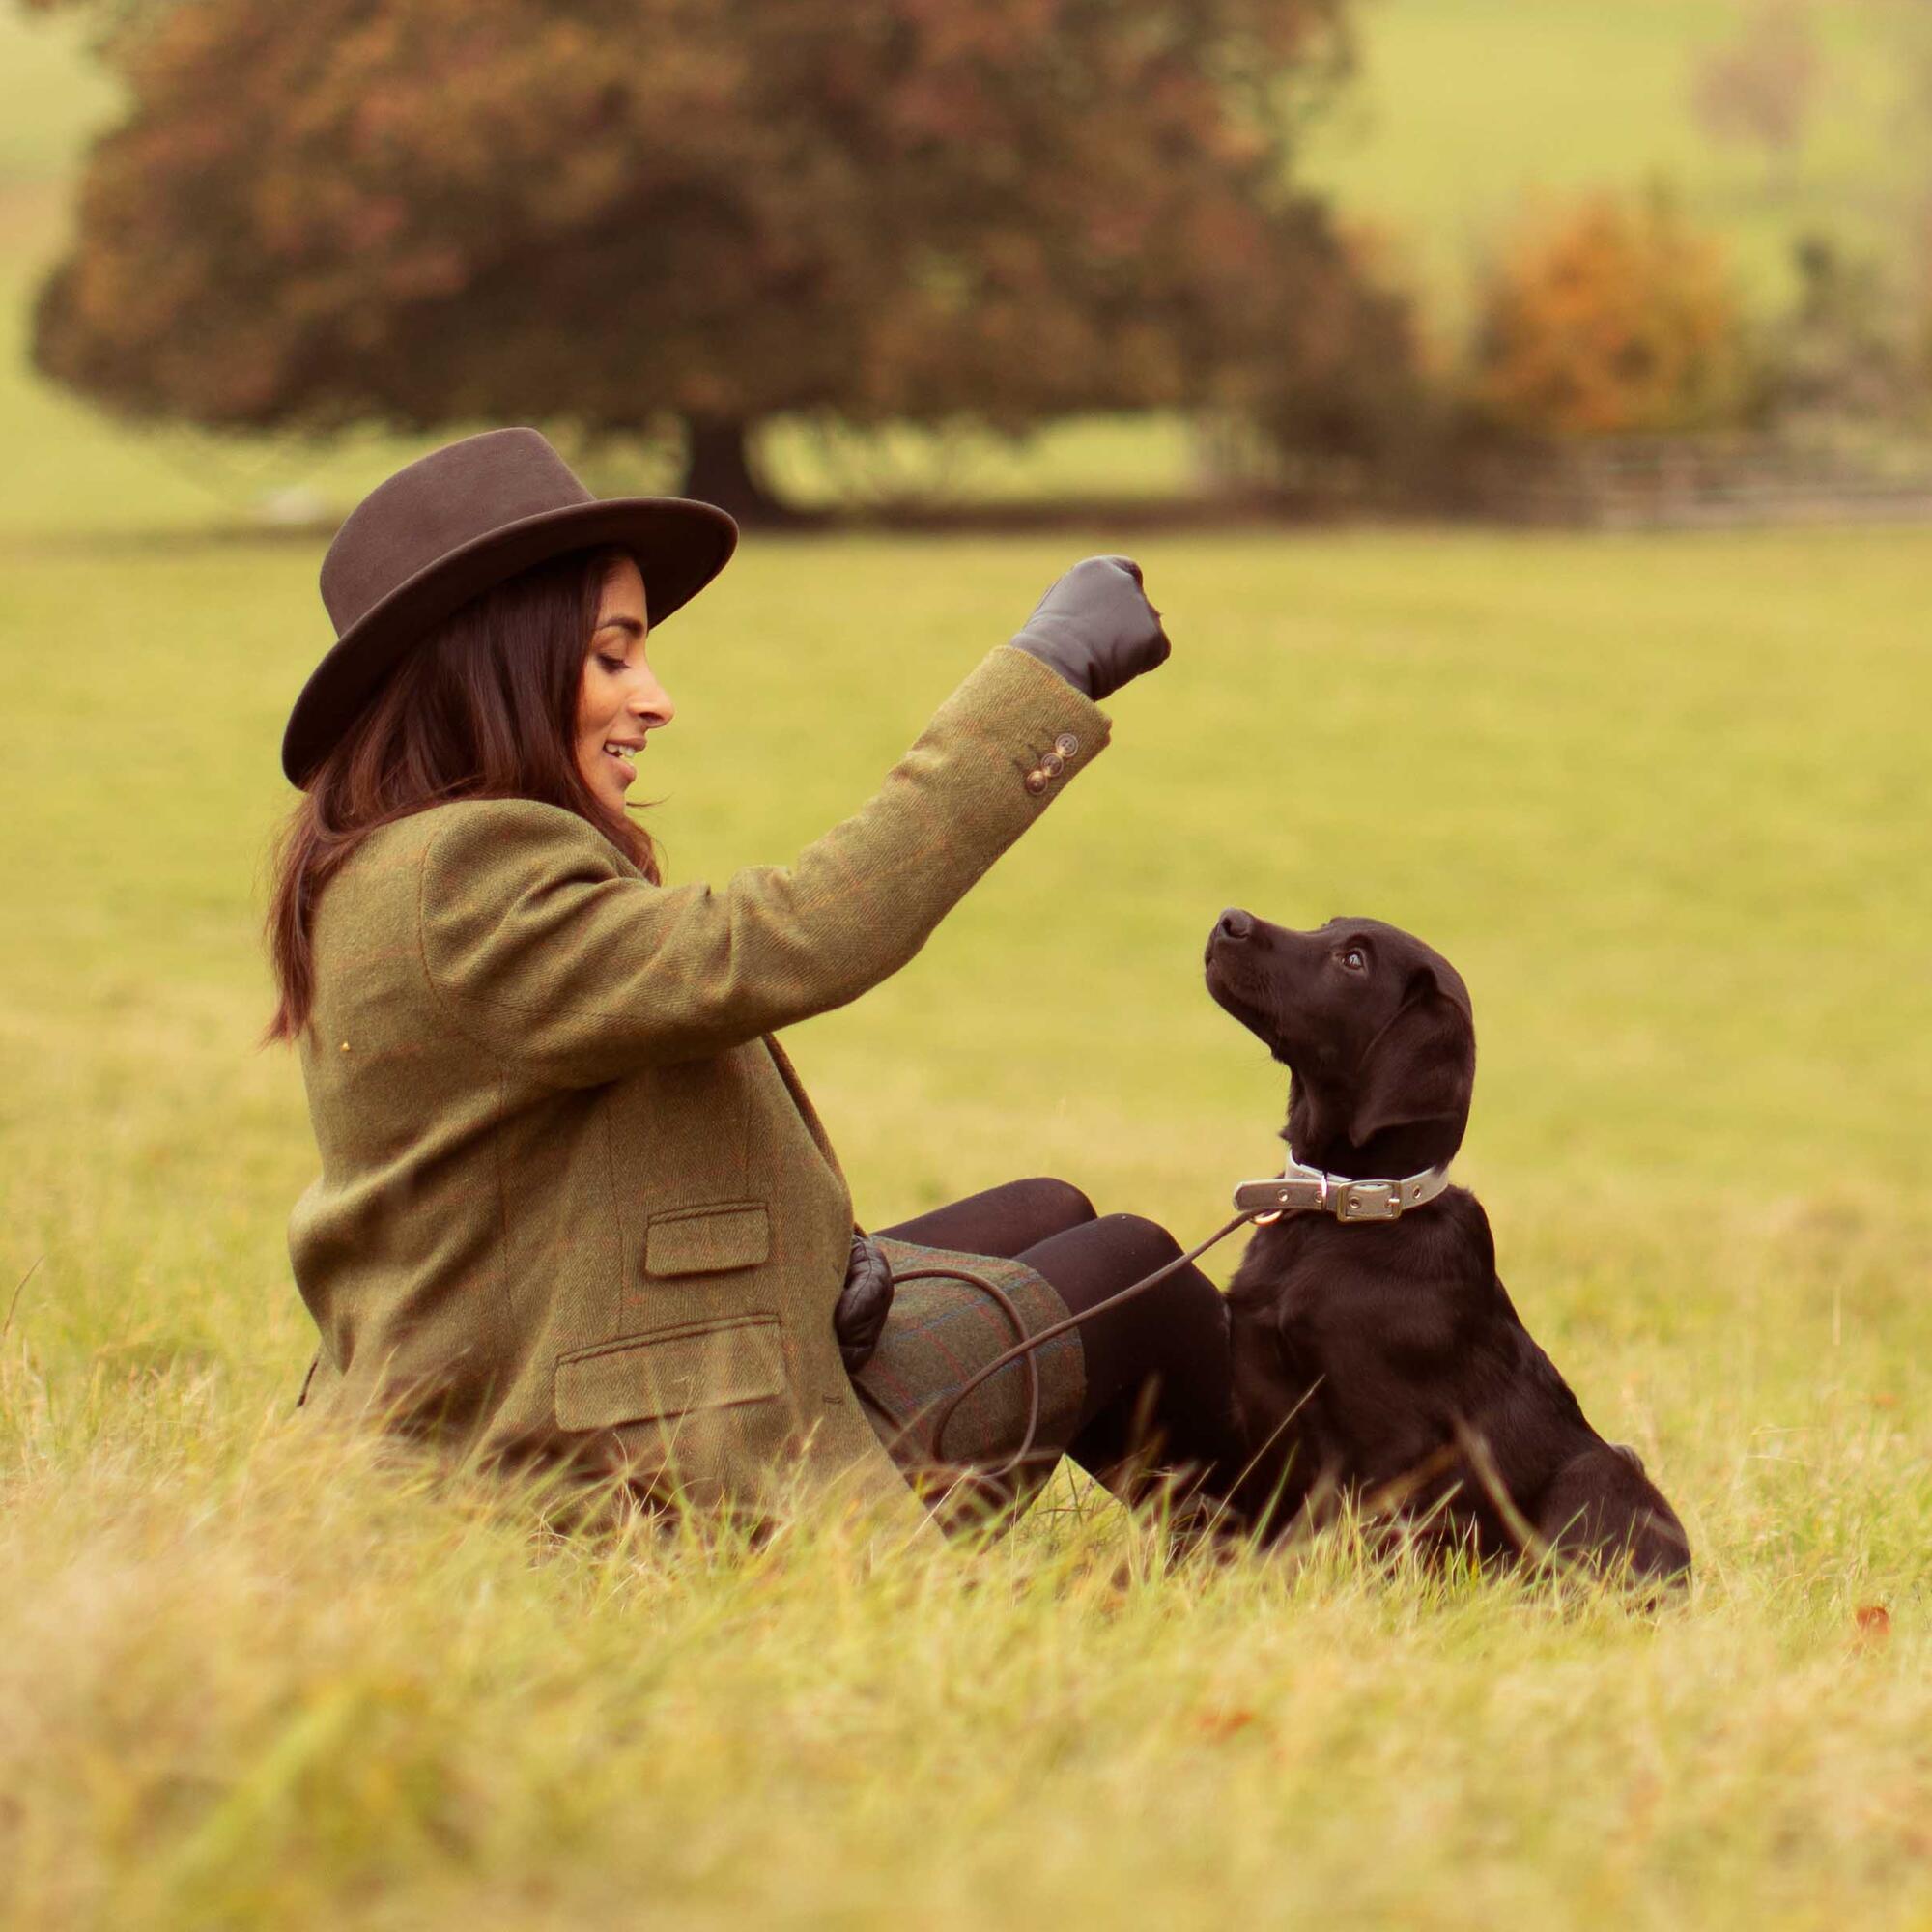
<point>548,949</point>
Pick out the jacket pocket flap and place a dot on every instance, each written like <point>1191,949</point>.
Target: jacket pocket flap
<point>672,1374</point>
<point>707,1240</point>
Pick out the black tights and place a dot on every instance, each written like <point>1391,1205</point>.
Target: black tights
<point>1160,1404</point>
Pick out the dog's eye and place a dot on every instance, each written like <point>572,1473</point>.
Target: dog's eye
<point>1355,960</point>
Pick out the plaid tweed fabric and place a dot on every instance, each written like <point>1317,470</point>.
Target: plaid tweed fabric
<point>939,1334</point>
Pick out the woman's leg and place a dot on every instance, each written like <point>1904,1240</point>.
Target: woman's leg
<point>1159,1407</point>
<point>1000,1221</point>
<point>1159,1410</point>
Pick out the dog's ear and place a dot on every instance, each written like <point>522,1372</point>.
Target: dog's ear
<point>1423,1066</point>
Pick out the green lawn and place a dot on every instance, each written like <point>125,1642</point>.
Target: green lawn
<point>1665,802</point>
<point>1665,805</point>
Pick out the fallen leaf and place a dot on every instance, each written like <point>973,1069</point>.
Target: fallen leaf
<point>1223,1723</point>
<point>1874,1622</point>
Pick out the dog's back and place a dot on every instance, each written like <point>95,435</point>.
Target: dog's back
<point>1387,1362</point>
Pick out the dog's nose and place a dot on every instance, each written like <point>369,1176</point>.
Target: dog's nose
<point>1235,923</point>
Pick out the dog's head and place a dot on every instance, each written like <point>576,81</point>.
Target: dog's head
<point>1375,1027</point>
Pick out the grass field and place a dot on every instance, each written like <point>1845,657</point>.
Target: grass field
<point>1665,803</point>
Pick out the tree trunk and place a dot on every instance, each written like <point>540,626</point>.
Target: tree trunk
<point>718,470</point>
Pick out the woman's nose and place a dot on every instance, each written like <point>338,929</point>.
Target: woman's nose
<point>653,701</point>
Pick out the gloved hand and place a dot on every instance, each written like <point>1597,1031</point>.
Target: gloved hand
<point>1096,627</point>
<point>864,1303</point>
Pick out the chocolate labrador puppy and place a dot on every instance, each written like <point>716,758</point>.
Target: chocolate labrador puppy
<point>1380,1356</point>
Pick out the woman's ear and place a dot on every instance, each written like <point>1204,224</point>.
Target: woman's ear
<point>1422,1069</point>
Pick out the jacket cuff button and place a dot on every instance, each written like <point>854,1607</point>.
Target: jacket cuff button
<point>1067,745</point>
<point>1036,782</point>
<point>1053,764</point>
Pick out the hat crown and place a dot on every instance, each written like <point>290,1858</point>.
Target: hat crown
<point>435,505</point>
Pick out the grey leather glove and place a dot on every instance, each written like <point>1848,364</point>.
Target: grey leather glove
<point>864,1301</point>
<point>1096,627</point>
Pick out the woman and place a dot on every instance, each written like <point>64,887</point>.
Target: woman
<point>574,1205</point>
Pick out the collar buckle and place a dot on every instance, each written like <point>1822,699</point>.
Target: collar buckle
<point>1368,1200</point>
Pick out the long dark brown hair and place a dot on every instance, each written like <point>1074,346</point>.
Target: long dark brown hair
<point>483,706</point>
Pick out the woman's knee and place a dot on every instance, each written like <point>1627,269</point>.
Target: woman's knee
<point>1052,1206</point>
<point>1186,1302</point>
<point>1134,1236</point>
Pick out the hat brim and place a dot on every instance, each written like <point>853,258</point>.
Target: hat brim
<point>680,545</point>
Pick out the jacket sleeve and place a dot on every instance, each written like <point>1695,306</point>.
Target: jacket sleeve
<point>546,948</point>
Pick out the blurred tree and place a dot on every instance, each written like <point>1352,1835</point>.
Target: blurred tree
<point>1611,318</point>
<point>1839,354</point>
<point>614,211</point>
<point>1762,87</point>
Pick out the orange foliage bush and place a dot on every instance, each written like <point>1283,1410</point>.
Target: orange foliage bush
<point>1612,318</point>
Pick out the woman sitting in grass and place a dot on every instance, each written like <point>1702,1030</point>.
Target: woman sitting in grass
<point>574,1208</point>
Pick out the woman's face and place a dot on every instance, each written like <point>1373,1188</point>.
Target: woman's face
<point>619,700</point>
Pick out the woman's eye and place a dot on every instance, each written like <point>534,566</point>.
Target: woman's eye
<point>613,665</point>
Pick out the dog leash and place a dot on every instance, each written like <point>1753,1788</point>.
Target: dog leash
<point>1297,1189</point>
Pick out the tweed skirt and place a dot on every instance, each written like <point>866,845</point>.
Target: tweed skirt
<point>941,1331</point>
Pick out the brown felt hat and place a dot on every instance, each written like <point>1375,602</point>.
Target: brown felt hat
<point>458,522</point>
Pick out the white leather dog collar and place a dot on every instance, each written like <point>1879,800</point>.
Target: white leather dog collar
<point>1307,1190</point>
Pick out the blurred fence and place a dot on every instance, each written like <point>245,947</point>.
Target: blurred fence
<point>1680,482</point>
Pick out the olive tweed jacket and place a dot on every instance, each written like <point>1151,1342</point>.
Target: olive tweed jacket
<point>573,1204</point>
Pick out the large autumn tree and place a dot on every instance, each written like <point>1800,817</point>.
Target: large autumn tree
<point>424,213</point>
